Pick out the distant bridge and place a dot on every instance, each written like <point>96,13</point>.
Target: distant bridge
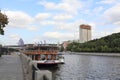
<point>13,47</point>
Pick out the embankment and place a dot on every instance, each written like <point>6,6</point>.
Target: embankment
<point>30,70</point>
<point>96,54</point>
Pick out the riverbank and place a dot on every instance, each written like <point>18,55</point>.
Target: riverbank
<point>96,54</point>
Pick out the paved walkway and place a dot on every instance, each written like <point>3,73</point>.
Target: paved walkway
<point>10,68</point>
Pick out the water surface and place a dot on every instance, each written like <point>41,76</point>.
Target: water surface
<point>84,67</point>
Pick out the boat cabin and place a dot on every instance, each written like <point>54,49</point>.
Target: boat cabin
<point>42,52</point>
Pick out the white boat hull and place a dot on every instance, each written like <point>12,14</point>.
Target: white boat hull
<point>61,61</point>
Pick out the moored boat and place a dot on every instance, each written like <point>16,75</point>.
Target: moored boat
<point>44,54</point>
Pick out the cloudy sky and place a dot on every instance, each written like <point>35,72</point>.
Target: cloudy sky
<point>58,20</point>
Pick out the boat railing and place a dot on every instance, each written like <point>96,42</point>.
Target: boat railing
<point>41,51</point>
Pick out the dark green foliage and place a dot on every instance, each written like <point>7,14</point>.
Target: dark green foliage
<point>0,50</point>
<point>4,51</point>
<point>3,22</point>
<point>61,49</point>
<point>109,43</point>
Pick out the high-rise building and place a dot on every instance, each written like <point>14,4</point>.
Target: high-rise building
<point>84,33</point>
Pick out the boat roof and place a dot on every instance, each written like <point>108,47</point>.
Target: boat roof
<point>42,47</point>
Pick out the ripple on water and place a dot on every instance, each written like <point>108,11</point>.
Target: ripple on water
<point>81,67</point>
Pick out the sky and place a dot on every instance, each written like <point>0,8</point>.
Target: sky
<point>58,20</point>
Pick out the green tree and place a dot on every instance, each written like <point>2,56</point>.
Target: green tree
<point>3,22</point>
<point>61,48</point>
<point>110,43</point>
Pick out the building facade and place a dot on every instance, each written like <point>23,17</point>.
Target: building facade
<point>84,33</point>
<point>65,44</point>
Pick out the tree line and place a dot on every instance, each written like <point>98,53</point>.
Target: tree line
<point>110,43</point>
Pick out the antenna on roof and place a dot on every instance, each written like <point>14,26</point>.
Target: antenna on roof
<point>44,42</point>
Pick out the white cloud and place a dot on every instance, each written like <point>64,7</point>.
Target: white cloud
<point>117,23</point>
<point>65,5</point>
<point>97,10</point>
<point>47,5</point>
<point>107,1</point>
<point>67,26</point>
<point>47,22</point>
<point>14,36</point>
<point>42,16</point>
<point>32,28</point>
<point>58,36</point>
<point>18,18</point>
<point>72,26</point>
<point>37,39</point>
<point>11,39</point>
<point>62,17</point>
<point>53,37</point>
<point>113,14</point>
<point>62,25</point>
<point>99,34</point>
<point>58,22</point>
<point>116,30</point>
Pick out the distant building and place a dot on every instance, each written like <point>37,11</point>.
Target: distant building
<point>21,42</point>
<point>84,33</point>
<point>65,44</point>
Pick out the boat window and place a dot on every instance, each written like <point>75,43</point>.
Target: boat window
<point>32,57</point>
<point>49,57</point>
<point>43,48</point>
<point>42,57</point>
<point>36,57</point>
<point>57,57</point>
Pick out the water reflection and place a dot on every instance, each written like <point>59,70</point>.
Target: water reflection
<point>81,67</point>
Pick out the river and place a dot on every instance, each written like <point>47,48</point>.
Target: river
<point>84,67</point>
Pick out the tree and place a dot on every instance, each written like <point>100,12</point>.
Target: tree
<point>61,48</point>
<point>3,22</point>
<point>110,43</point>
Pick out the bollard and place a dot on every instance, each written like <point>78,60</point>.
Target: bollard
<point>43,75</point>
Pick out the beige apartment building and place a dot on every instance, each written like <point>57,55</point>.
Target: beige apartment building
<point>84,33</point>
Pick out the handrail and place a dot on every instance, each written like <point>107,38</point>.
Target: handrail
<point>40,52</point>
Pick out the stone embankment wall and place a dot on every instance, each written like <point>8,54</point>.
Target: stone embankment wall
<point>96,54</point>
<point>31,72</point>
